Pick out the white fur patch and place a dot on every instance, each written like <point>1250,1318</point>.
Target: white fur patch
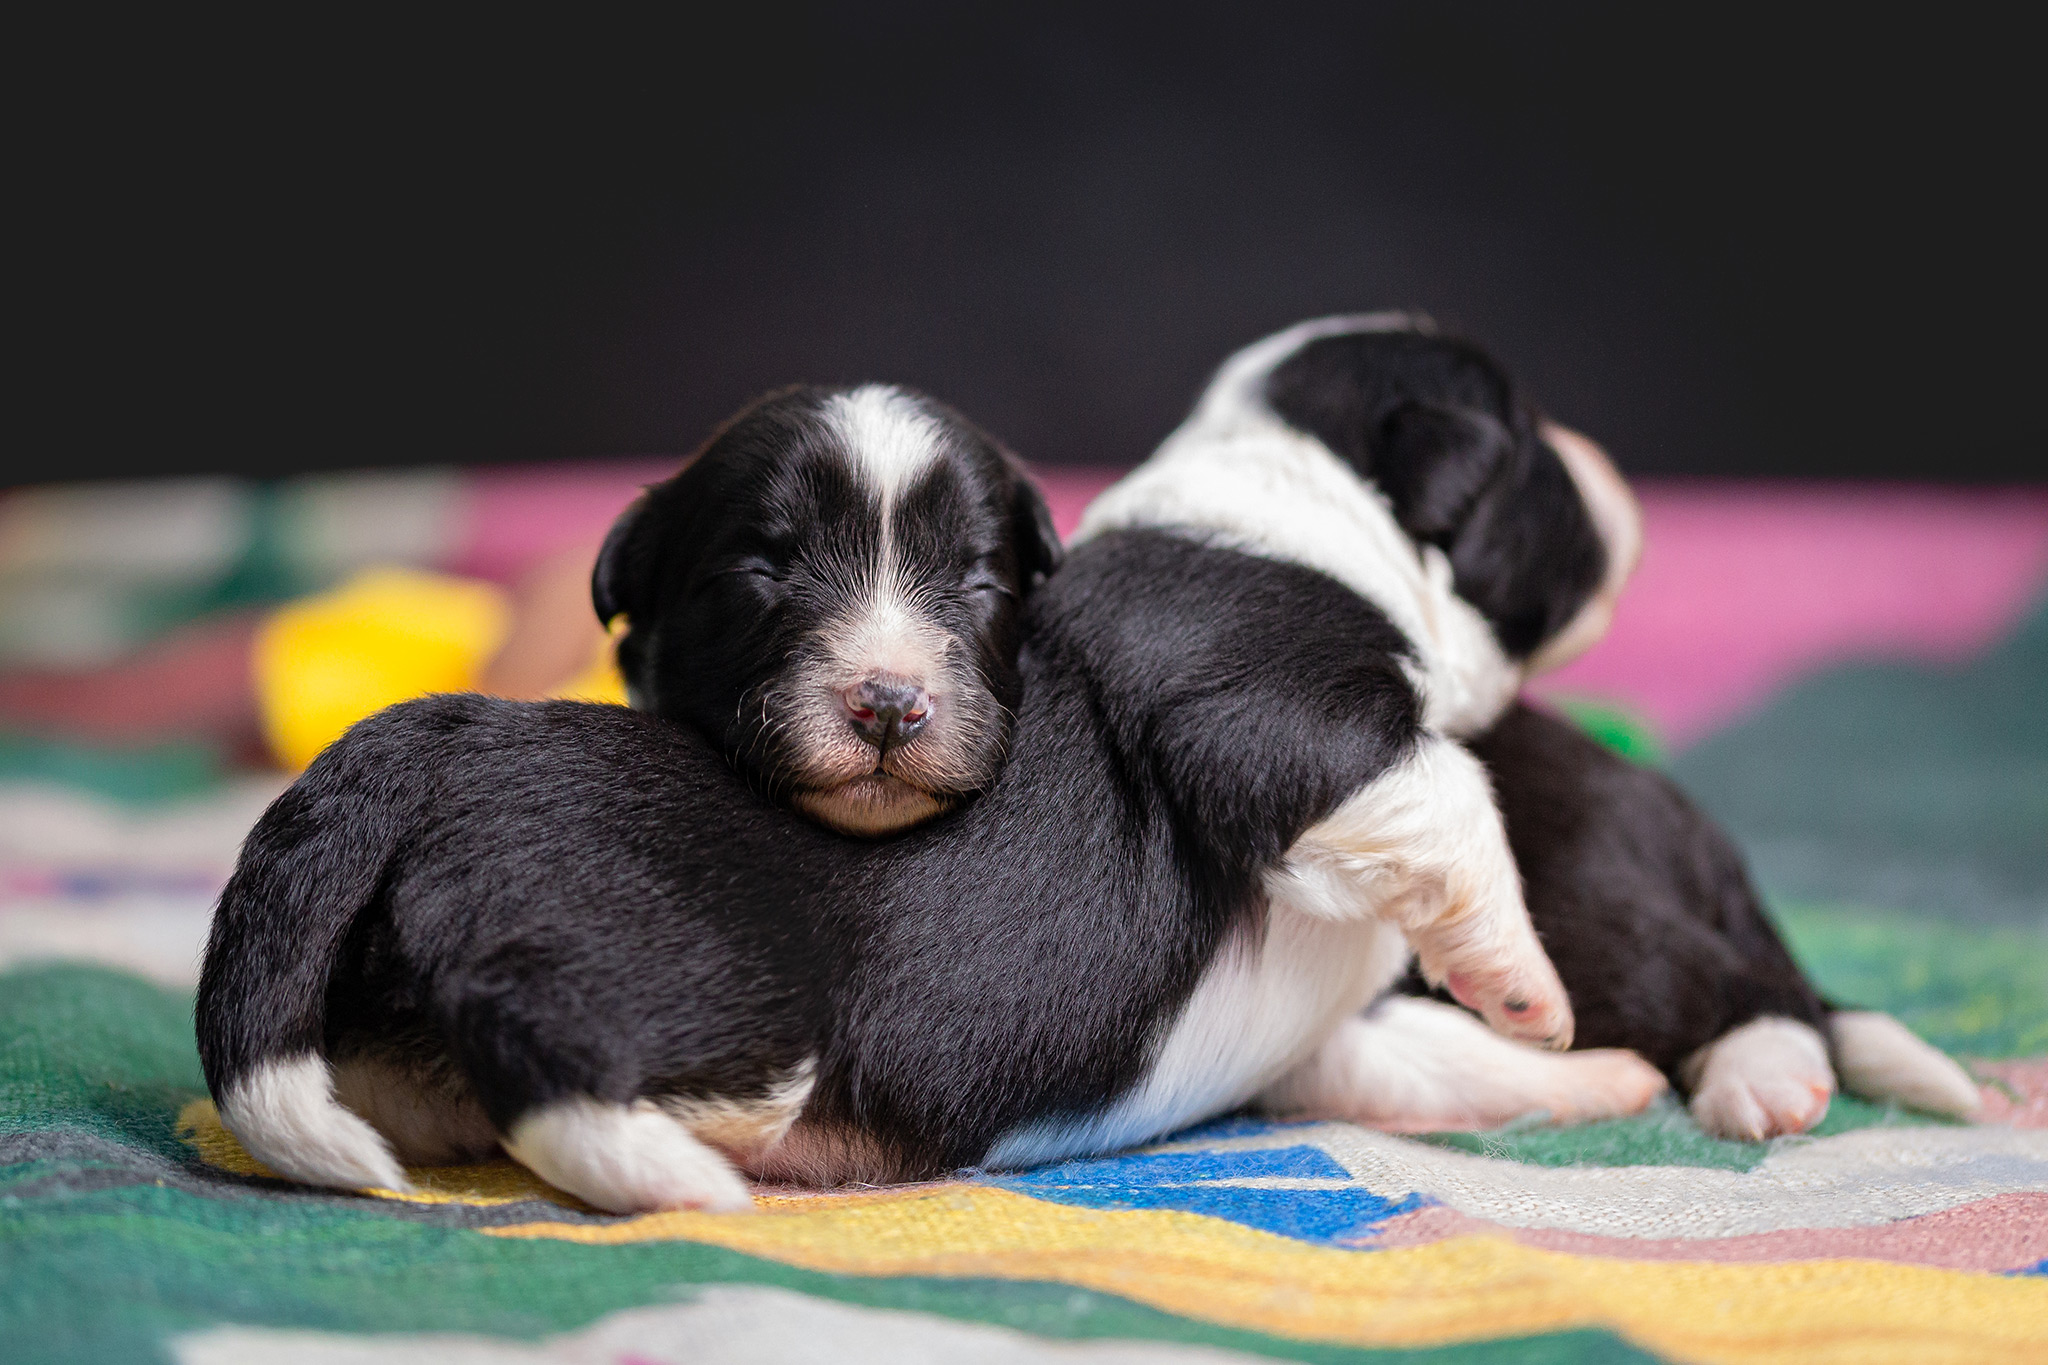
<point>889,436</point>
<point>625,1158</point>
<point>286,1115</point>
<point>1423,847</point>
<point>1881,1059</point>
<point>1420,1065</point>
<point>1765,1079</point>
<point>1248,482</point>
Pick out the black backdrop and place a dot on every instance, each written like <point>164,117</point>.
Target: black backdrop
<point>1731,243</point>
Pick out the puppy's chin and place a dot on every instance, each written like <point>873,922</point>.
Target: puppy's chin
<point>870,805</point>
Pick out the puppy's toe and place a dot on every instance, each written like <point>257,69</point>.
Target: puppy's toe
<point>1518,995</point>
<point>1753,1112</point>
<point>1767,1079</point>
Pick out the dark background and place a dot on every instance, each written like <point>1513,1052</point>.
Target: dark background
<point>1735,243</point>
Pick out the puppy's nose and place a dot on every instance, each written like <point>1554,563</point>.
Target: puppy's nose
<point>887,711</point>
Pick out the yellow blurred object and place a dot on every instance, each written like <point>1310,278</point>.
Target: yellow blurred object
<point>325,662</point>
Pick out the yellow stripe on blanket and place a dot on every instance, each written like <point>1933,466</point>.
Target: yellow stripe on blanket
<point>1461,1289</point>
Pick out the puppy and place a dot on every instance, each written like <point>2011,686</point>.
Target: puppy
<point>571,931</point>
<point>830,594</point>
<point>1641,901</point>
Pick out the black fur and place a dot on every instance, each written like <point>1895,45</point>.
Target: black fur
<point>1439,427</point>
<point>558,898</point>
<point>1641,901</point>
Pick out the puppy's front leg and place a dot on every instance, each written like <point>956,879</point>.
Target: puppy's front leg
<point>1423,848</point>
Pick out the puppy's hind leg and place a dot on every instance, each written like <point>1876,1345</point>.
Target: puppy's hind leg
<point>625,1158</point>
<point>558,1074</point>
<point>1424,846</point>
<point>1413,1066</point>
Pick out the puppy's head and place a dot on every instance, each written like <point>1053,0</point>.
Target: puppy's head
<point>831,591</point>
<point>1540,530</point>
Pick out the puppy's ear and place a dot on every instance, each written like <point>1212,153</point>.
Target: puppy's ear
<point>1433,462</point>
<point>1038,544</point>
<point>619,581</point>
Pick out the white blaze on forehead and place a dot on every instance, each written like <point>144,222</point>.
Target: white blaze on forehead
<point>889,442</point>
<point>889,439</point>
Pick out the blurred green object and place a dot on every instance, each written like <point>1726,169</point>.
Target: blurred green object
<point>1975,991</point>
<point>140,776</point>
<point>1615,726</point>
<point>1924,788</point>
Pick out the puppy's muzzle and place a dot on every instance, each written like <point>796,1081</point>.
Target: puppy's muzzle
<point>887,711</point>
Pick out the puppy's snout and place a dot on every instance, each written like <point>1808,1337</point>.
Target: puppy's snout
<point>886,710</point>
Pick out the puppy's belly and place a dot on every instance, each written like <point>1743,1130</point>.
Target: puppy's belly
<point>1260,1009</point>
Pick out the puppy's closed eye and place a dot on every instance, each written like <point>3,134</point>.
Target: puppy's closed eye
<point>986,576</point>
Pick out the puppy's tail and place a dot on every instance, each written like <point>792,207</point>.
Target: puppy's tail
<point>306,872</point>
<point>1878,1058</point>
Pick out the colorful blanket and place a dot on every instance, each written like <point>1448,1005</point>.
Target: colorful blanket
<point>1858,685</point>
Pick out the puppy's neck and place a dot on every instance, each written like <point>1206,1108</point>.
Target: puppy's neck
<point>1238,478</point>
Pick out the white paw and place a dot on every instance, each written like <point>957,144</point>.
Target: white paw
<point>625,1159</point>
<point>1768,1078</point>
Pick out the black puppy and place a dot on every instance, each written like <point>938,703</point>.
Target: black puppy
<point>830,592</point>
<point>568,930</point>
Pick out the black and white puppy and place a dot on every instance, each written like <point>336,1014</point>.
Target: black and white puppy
<point>830,592</point>
<point>572,932</point>
<point>1642,902</point>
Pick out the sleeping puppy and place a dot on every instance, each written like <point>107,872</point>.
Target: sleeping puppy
<point>573,932</point>
<point>830,594</point>
<point>1641,901</point>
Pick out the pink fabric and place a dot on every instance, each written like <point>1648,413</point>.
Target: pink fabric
<point>1744,587</point>
<point>517,516</point>
<point>2017,1094</point>
<point>2002,1233</point>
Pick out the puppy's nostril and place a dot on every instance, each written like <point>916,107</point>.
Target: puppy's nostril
<point>887,710</point>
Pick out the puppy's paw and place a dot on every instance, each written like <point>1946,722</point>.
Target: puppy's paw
<point>1766,1079</point>
<point>625,1159</point>
<point>1520,997</point>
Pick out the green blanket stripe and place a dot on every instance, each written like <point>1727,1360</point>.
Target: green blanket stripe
<point>108,1276</point>
<point>92,1049</point>
<point>150,775</point>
